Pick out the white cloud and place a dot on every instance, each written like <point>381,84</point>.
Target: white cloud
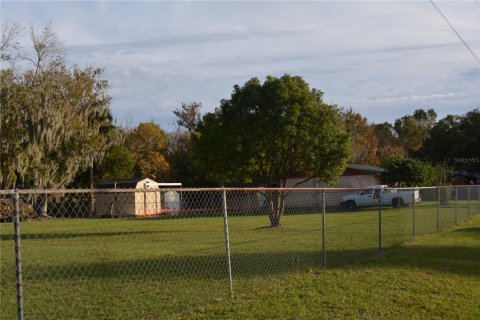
<point>383,59</point>
<point>412,98</point>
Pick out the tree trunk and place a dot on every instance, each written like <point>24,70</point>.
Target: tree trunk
<point>44,207</point>
<point>275,207</point>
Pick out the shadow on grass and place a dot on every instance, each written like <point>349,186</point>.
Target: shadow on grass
<point>468,230</point>
<point>212,266</point>
<point>461,260</point>
<point>458,260</point>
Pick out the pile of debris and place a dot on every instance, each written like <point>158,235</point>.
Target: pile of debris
<point>6,210</point>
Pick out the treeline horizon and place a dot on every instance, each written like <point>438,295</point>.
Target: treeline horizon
<point>57,131</point>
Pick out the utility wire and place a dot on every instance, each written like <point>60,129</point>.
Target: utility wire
<point>455,31</point>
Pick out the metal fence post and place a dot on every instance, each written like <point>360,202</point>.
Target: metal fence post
<point>468,201</point>
<point>413,213</point>
<point>18,255</point>
<point>478,198</point>
<point>456,200</point>
<point>227,242</point>
<point>380,222</point>
<point>324,252</point>
<point>438,208</point>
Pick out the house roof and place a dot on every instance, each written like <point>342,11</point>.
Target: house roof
<point>350,170</point>
<point>242,185</point>
<point>467,174</point>
<point>120,183</point>
<point>364,168</point>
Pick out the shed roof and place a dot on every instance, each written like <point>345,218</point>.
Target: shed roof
<point>120,183</point>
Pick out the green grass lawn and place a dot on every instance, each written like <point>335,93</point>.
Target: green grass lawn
<point>429,277</point>
<point>176,268</point>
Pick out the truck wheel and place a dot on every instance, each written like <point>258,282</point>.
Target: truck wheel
<point>398,203</point>
<point>351,205</point>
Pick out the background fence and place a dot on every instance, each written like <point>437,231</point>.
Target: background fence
<point>154,253</point>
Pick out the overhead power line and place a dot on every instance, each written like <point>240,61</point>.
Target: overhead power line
<point>455,31</point>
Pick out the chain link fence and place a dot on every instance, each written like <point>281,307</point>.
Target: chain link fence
<point>159,253</point>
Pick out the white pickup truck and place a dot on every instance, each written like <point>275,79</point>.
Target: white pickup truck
<point>372,195</point>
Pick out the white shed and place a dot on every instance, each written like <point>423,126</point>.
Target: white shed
<point>134,197</point>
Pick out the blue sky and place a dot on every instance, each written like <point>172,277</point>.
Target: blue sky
<point>383,59</point>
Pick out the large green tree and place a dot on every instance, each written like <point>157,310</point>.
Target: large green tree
<point>455,141</point>
<point>269,131</point>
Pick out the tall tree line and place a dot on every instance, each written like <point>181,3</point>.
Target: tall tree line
<point>55,117</point>
<point>56,129</point>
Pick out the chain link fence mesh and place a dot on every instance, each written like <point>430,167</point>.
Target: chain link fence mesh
<point>7,259</point>
<point>260,252</point>
<point>351,230</point>
<point>158,253</point>
<point>426,211</point>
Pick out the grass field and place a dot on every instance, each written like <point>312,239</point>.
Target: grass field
<point>429,277</point>
<point>176,268</point>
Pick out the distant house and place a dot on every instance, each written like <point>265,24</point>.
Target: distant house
<point>354,176</point>
<point>134,197</point>
<point>465,178</point>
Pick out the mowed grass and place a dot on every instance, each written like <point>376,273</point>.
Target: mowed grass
<point>176,268</point>
<point>429,277</point>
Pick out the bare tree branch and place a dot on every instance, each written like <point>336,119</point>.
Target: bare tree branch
<point>48,49</point>
<point>9,41</point>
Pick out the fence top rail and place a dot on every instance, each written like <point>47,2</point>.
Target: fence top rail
<point>100,191</point>
<point>186,190</point>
